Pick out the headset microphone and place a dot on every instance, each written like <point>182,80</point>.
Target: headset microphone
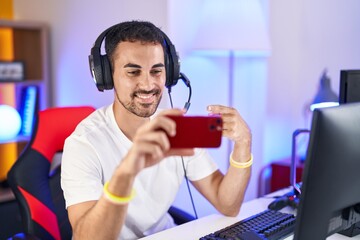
<point>187,83</point>
<point>185,79</point>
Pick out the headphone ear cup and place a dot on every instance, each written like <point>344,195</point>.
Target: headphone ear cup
<point>95,65</point>
<point>168,66</point>
<point>106,73</point>
<point>172,66</point>
<point>100,66</point>
<point>176,68</point>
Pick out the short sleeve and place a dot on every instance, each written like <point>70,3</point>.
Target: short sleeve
<point>200,165</point>
<point>80,172</point>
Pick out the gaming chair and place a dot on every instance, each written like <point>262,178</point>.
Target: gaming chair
<point>37,190</point>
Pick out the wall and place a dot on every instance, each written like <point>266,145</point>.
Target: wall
<point>209,72</point>
<point>74,27</point>
<point>306,36</point>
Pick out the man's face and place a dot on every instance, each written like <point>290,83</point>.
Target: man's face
<point>139,76</point>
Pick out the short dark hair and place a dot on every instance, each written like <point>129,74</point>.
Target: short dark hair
<point>132,31</point>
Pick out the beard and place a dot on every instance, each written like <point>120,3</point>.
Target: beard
<point>141,109</point>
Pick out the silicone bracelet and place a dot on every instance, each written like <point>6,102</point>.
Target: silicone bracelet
<point>116,199</point>
<point>241,164</point>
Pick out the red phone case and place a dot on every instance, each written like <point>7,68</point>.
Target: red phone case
<point>197,132</point>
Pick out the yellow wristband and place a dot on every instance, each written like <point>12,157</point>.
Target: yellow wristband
<point>116,199</point>
<point>241,164</point>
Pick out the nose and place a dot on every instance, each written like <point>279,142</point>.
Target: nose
<point>147,82</point>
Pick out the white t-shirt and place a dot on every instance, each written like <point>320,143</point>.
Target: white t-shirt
<point>95,149</point>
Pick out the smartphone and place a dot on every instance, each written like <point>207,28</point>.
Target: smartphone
<point>196,132</point>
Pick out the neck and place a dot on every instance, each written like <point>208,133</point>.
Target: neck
<point>123,117</point>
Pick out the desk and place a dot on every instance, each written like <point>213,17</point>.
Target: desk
<point>203,226</point>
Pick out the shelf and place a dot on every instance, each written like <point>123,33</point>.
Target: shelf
<point>16,140</point>
<point>28,42</point>
<point>24,82</point>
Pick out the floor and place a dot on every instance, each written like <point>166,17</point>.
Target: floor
<point>10,219</point>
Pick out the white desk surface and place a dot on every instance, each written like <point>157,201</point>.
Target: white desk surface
<point>198,228</point>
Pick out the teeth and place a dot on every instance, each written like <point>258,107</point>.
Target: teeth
<point>144,96</point>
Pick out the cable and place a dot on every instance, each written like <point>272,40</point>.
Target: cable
<point>188,187</point>
<point>182,160</point>
<point>171,102</point>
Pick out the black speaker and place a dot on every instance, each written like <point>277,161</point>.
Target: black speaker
<point>100,66</point>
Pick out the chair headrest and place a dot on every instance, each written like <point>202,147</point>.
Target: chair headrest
<point>54,125</point>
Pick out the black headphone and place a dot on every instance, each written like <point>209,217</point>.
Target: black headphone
<point>100,66</point>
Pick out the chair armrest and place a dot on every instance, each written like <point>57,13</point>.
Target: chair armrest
<point>23,236</point>
<point>180,216</point>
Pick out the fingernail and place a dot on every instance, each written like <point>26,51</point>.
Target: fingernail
<point>209,108</point>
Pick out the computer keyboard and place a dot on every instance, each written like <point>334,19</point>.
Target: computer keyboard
<point>267,225</point>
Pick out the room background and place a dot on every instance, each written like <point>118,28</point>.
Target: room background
<point>271,90</point>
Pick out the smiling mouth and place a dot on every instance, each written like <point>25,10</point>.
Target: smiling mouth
<point>146,97</point>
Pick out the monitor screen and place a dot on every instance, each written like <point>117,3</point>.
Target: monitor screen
<point>330,193</point>
<point>349,86</point>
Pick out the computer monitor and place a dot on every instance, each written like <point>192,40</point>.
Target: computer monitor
<point>330,194</point>
<point>349,86</point>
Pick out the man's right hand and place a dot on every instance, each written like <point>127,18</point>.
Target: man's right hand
<point>151,144</point>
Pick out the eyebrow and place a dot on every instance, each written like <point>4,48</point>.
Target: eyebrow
<point>132,65</point>
<point>158,65</point>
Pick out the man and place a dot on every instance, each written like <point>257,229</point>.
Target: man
<point>119,174</point>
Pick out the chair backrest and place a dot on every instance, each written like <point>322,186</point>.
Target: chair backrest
<point>38,191</point>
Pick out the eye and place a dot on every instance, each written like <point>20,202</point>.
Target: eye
<point>156,72</point>
<point>134,72</point>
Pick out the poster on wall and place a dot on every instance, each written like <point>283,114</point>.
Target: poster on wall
<point>11,71</point>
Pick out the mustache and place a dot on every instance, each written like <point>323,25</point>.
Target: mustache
<point>153,91</point>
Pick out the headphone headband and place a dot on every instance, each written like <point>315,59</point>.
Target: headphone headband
<point>100,66</point>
